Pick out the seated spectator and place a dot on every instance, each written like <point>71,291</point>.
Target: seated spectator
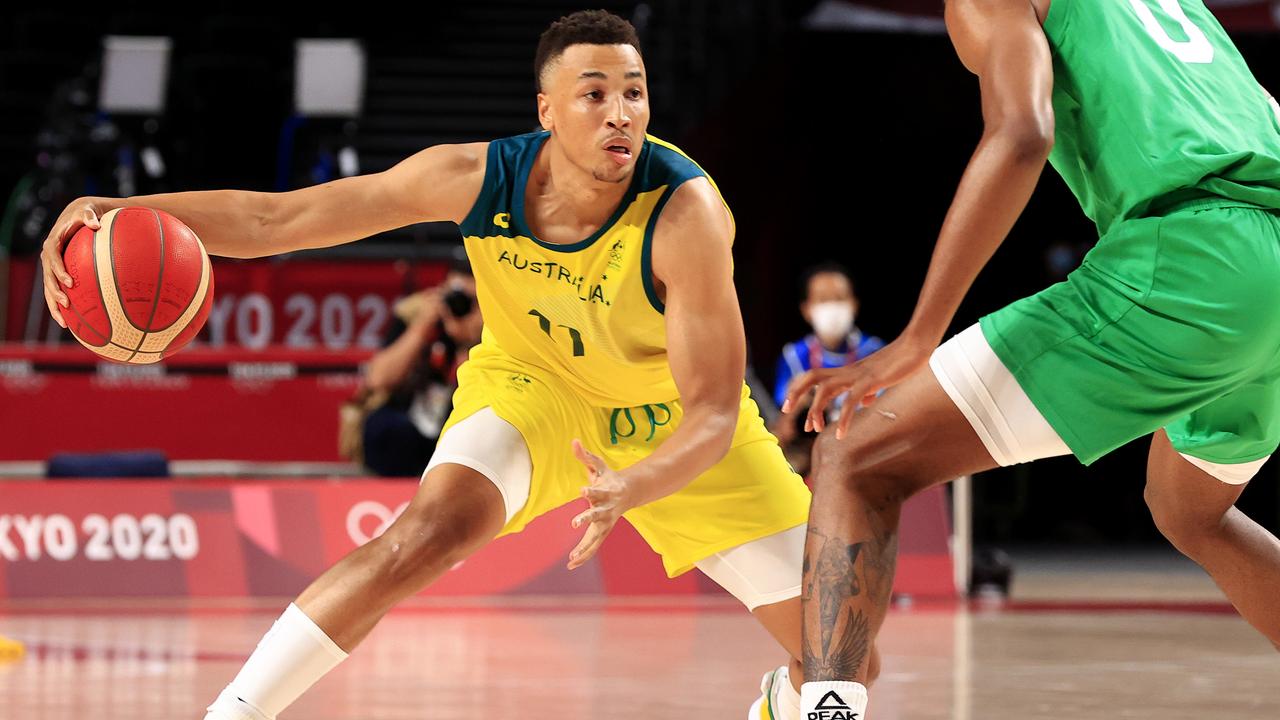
<point>416,371</point>
<point>829,306</point>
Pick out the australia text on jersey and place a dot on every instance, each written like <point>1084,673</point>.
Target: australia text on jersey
<point>587,292</point>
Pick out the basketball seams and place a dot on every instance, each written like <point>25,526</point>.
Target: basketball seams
<point>106,312</point>
<point>200,284</point>
<point>155,303</point>
<point>166,336</point>
<point>84,323</point>
<point>110,351</point>
<point>124,332</point>
<point>115,275</point>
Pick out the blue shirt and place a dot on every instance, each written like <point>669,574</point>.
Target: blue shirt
<point>801,355</point>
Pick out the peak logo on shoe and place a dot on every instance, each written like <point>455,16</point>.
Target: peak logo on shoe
<point>832,707</point>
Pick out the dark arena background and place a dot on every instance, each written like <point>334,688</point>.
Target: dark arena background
<point>154,519</point>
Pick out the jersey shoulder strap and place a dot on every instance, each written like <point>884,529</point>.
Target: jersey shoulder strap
<point>507,157</point>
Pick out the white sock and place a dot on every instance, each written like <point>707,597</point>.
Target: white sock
<point>833,700</point>
<point>788,700</point>
<point>290,658</point>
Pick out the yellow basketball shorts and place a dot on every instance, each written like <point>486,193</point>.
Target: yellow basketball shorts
<point>750,494</point>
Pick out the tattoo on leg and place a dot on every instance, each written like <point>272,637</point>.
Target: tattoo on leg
<point>834,582</point>
<point>837,583</point>
<point>878,565</point>
<point>844,660</point>
<point>810,579</point>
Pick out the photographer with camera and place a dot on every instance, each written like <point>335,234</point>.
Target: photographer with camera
<point>410,382</point>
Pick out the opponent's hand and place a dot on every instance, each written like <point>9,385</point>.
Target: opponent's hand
<point>609,497</point>
<point>83,211</point>
<point>862,381</point>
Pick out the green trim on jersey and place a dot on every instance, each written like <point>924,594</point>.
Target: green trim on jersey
<point>646,254</point>
<point>517,209</point>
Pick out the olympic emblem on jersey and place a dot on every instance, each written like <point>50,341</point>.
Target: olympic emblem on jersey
<point>365,509</point>
<point>615,255</point>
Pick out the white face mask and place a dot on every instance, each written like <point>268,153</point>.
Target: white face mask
<point>832,321</point>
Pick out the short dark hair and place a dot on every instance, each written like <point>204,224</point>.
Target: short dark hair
<point>822,268</point>
<point>585,27</point>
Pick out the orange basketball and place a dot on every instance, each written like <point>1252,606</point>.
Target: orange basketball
<point>142,288</point>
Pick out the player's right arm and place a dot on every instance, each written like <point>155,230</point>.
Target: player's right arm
<point>440,183</point>
<point>1002,42</point>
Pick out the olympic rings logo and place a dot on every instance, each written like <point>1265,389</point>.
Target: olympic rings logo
<point>371,508</point>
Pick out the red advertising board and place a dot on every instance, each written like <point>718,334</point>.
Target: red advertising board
<point>217,538</point>
<point>276,405</point>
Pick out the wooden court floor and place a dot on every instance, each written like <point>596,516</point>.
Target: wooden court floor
<point>554,661</point>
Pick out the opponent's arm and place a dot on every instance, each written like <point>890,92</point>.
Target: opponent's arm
<point>439,183</point>
<point>1000,41</point>
<point>706,348</point>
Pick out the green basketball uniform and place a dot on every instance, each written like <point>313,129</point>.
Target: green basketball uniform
<point>1173,319</point>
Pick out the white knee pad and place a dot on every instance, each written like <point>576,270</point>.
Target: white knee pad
<point>1010,427</point>
<point>760,572</point>
<point>494,448</point>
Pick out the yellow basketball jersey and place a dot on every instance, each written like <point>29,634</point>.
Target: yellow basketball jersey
<point>588,311</point>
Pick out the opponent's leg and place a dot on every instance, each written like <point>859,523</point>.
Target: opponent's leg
<point>765,575</point>
<point>466,497</point>
<point>912,438</point>
<point>781,686</point>
<point>963,414</point>
<point>1196,511</point>
<point>785,622</point>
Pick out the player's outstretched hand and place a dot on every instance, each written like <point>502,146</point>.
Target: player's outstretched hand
<point>862,380</point>
<point>609,497</point>
<point>83,211</point>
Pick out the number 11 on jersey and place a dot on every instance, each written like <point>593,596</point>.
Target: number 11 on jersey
<point>545,323</point>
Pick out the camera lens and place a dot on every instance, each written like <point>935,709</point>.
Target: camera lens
<point>458,302</point>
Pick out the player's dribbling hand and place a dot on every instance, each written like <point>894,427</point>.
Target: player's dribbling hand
<point>83,211</point>
<point>609,497</point>
<point>862,380</point>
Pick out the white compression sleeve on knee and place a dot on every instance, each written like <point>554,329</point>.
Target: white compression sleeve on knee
<point>290,658</point>
<point>760,572</point>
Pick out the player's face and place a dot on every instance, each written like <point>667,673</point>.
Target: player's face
<point>595,101</point>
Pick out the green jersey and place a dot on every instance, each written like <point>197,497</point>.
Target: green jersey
<point>1155,106</point>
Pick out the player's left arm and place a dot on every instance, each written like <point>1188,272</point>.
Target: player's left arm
<point>706,347</point>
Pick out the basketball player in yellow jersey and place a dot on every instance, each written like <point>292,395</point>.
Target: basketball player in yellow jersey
<point>613,341</point>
